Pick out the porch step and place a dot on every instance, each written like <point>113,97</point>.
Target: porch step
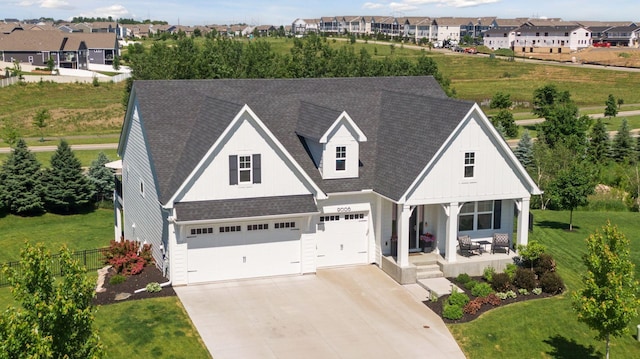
<point>428,271</point>
<point>438,286</point>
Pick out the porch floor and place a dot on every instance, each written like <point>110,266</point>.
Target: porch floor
<point>473,265</point>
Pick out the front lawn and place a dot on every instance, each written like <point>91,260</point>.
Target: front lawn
<point>548,328</point>
<point>149,328</point>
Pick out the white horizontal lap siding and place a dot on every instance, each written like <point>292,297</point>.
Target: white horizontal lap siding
<point>142,210</point>
<point>278,177</point>
<point>244,254</point>
<point>494,175</point>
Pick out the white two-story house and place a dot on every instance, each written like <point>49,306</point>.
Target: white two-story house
<point>232,179</point>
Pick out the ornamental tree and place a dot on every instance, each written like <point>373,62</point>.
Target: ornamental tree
<point>571,187</point>
<point>55,317</point>
<point>610,297</point>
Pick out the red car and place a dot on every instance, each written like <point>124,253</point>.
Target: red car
<point>471,50</point>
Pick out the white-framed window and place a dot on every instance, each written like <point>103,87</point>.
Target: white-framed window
<point>329,218</point>
<point>469,164</point>
<point>245,169</point>
<point>257,227</point>
<point>353,216</point>
<point>227,229</point>
<point>141,187</point>
<point>30,59</point>
<point>201,230</point>
<point>284,225</point>
<point>341,158</point>
<point>476,216</point>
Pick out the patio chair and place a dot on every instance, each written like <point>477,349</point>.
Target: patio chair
<point>465,244</point>
<point>500,240</point>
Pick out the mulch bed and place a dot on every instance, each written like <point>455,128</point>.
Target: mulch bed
<point>466,317</point>
<point>150,274</point>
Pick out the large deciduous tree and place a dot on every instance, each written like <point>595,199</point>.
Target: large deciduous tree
<point>20,182</point>
<point>546,98</point>
<point>501,100</point>
<point>67,189</point>
<point>610,298</point>
<point>55,319</point>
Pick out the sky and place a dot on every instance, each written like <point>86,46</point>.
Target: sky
<point>281,12</point>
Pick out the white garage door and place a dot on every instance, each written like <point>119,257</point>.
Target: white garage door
<point>248,250</point>
<point>342,239</point>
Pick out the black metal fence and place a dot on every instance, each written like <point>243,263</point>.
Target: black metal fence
<point>91,259</point>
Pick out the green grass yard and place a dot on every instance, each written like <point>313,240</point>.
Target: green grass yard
<point>548,328</point>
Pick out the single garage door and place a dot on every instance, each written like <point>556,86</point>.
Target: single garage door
<point>247,250</point>
<point>342,239</point>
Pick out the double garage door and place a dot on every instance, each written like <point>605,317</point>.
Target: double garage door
<point>243,250</point>
<point>249,250</point>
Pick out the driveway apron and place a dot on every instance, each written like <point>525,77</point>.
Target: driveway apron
<point>349,312</point>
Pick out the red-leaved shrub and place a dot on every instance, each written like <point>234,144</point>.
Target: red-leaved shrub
<point>473,306</point>
<point>127,257</point>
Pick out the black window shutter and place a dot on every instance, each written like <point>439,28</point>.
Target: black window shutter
<point>257,169</point>
<point>497,214</point>
<point>233,169</point>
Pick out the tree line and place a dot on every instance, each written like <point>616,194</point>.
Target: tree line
<point>27,189</point>
<point>310,57</point>
<point>572,153</point>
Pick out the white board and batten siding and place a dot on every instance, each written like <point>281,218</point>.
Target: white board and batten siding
<point>144,218</point>
<point>279,178</point>
<point>493,179</point>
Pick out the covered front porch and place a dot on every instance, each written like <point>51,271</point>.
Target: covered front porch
<point>438,226</point>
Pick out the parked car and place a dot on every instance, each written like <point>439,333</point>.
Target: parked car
<point>457,49</point>
<point>471,50</point>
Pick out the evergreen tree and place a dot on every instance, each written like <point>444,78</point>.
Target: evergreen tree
<point>609,299</point>
<point>623,147</point>
<point>599,144</point>
<point>612,108</point>
<point>67,189</point>
<point>20,182</point>
<point>101,178</point>
<point>524,150</point>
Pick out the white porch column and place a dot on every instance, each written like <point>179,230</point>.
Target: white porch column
<point>404,214</point>
<point>523,221</point>
<point>451,210</point>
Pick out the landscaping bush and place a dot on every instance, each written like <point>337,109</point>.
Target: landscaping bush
<point>453,312</point>
<point>488,274</point>
<point>127,257</point>
<point>525,278</point>
<point>523,291</point>
<point>551,283</point>
<point>545,263</point>
<point>501,282</point>
<point>471,284</point>
<point>481,290</point>
<point>501,295</point>
<point>511,294</point>
<point>463,278</point>
<point>458,298</point>
<point>537,291</point>
<point>117,279</point>
<point>510,270</point>
<point>153,287</point>
<point>492,299</point>
<point>473,306</point>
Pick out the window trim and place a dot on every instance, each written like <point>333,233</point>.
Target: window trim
<point>341,158</point>
<point>469,163</point>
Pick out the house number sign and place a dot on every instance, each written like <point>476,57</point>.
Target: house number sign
<point>344,209</point>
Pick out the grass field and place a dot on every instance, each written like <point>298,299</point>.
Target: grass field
<point>548,328</point>
<point>81,231</point>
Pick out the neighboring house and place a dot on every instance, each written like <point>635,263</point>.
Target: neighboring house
<point>232,179</point>
<point>500,38</point>
<point>68,50</point>
<point>453,28</point>
<point>622,35</point>
<point>328,24</point>
<point>417,28</point>
<point>550,39</point>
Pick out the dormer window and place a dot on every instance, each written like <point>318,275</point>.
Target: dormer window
<point>341,158</point>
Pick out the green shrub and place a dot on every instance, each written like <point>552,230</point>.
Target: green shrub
<point>458,298</point>
<point>511,294</point>
<point>501,295</point>
<point>453,312</point>
<point>531,252</point>
<point>525,278</point>
<point>501,282</point>
<point>463,278</point>
<point>537,291</point>
<point>488,274</point>
<point>117,279</point>
<point>481,290</point>
<point>510,270</point>
<point>153,287</point>
<point>545,263</point>
<point>551,283</point>
<point>470,284</point>
<point>523,291</point>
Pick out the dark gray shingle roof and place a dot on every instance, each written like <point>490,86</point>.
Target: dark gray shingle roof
<point>241,208</point>
<point>405,119</point>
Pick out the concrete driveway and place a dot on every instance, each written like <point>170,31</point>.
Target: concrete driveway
<point>351,312</point>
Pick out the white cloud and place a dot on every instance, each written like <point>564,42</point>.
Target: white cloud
<point>27,3</point>
<point>56,4</point>
<point>115,11</point>
<point>401,6</point>
<point>371,5</point>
